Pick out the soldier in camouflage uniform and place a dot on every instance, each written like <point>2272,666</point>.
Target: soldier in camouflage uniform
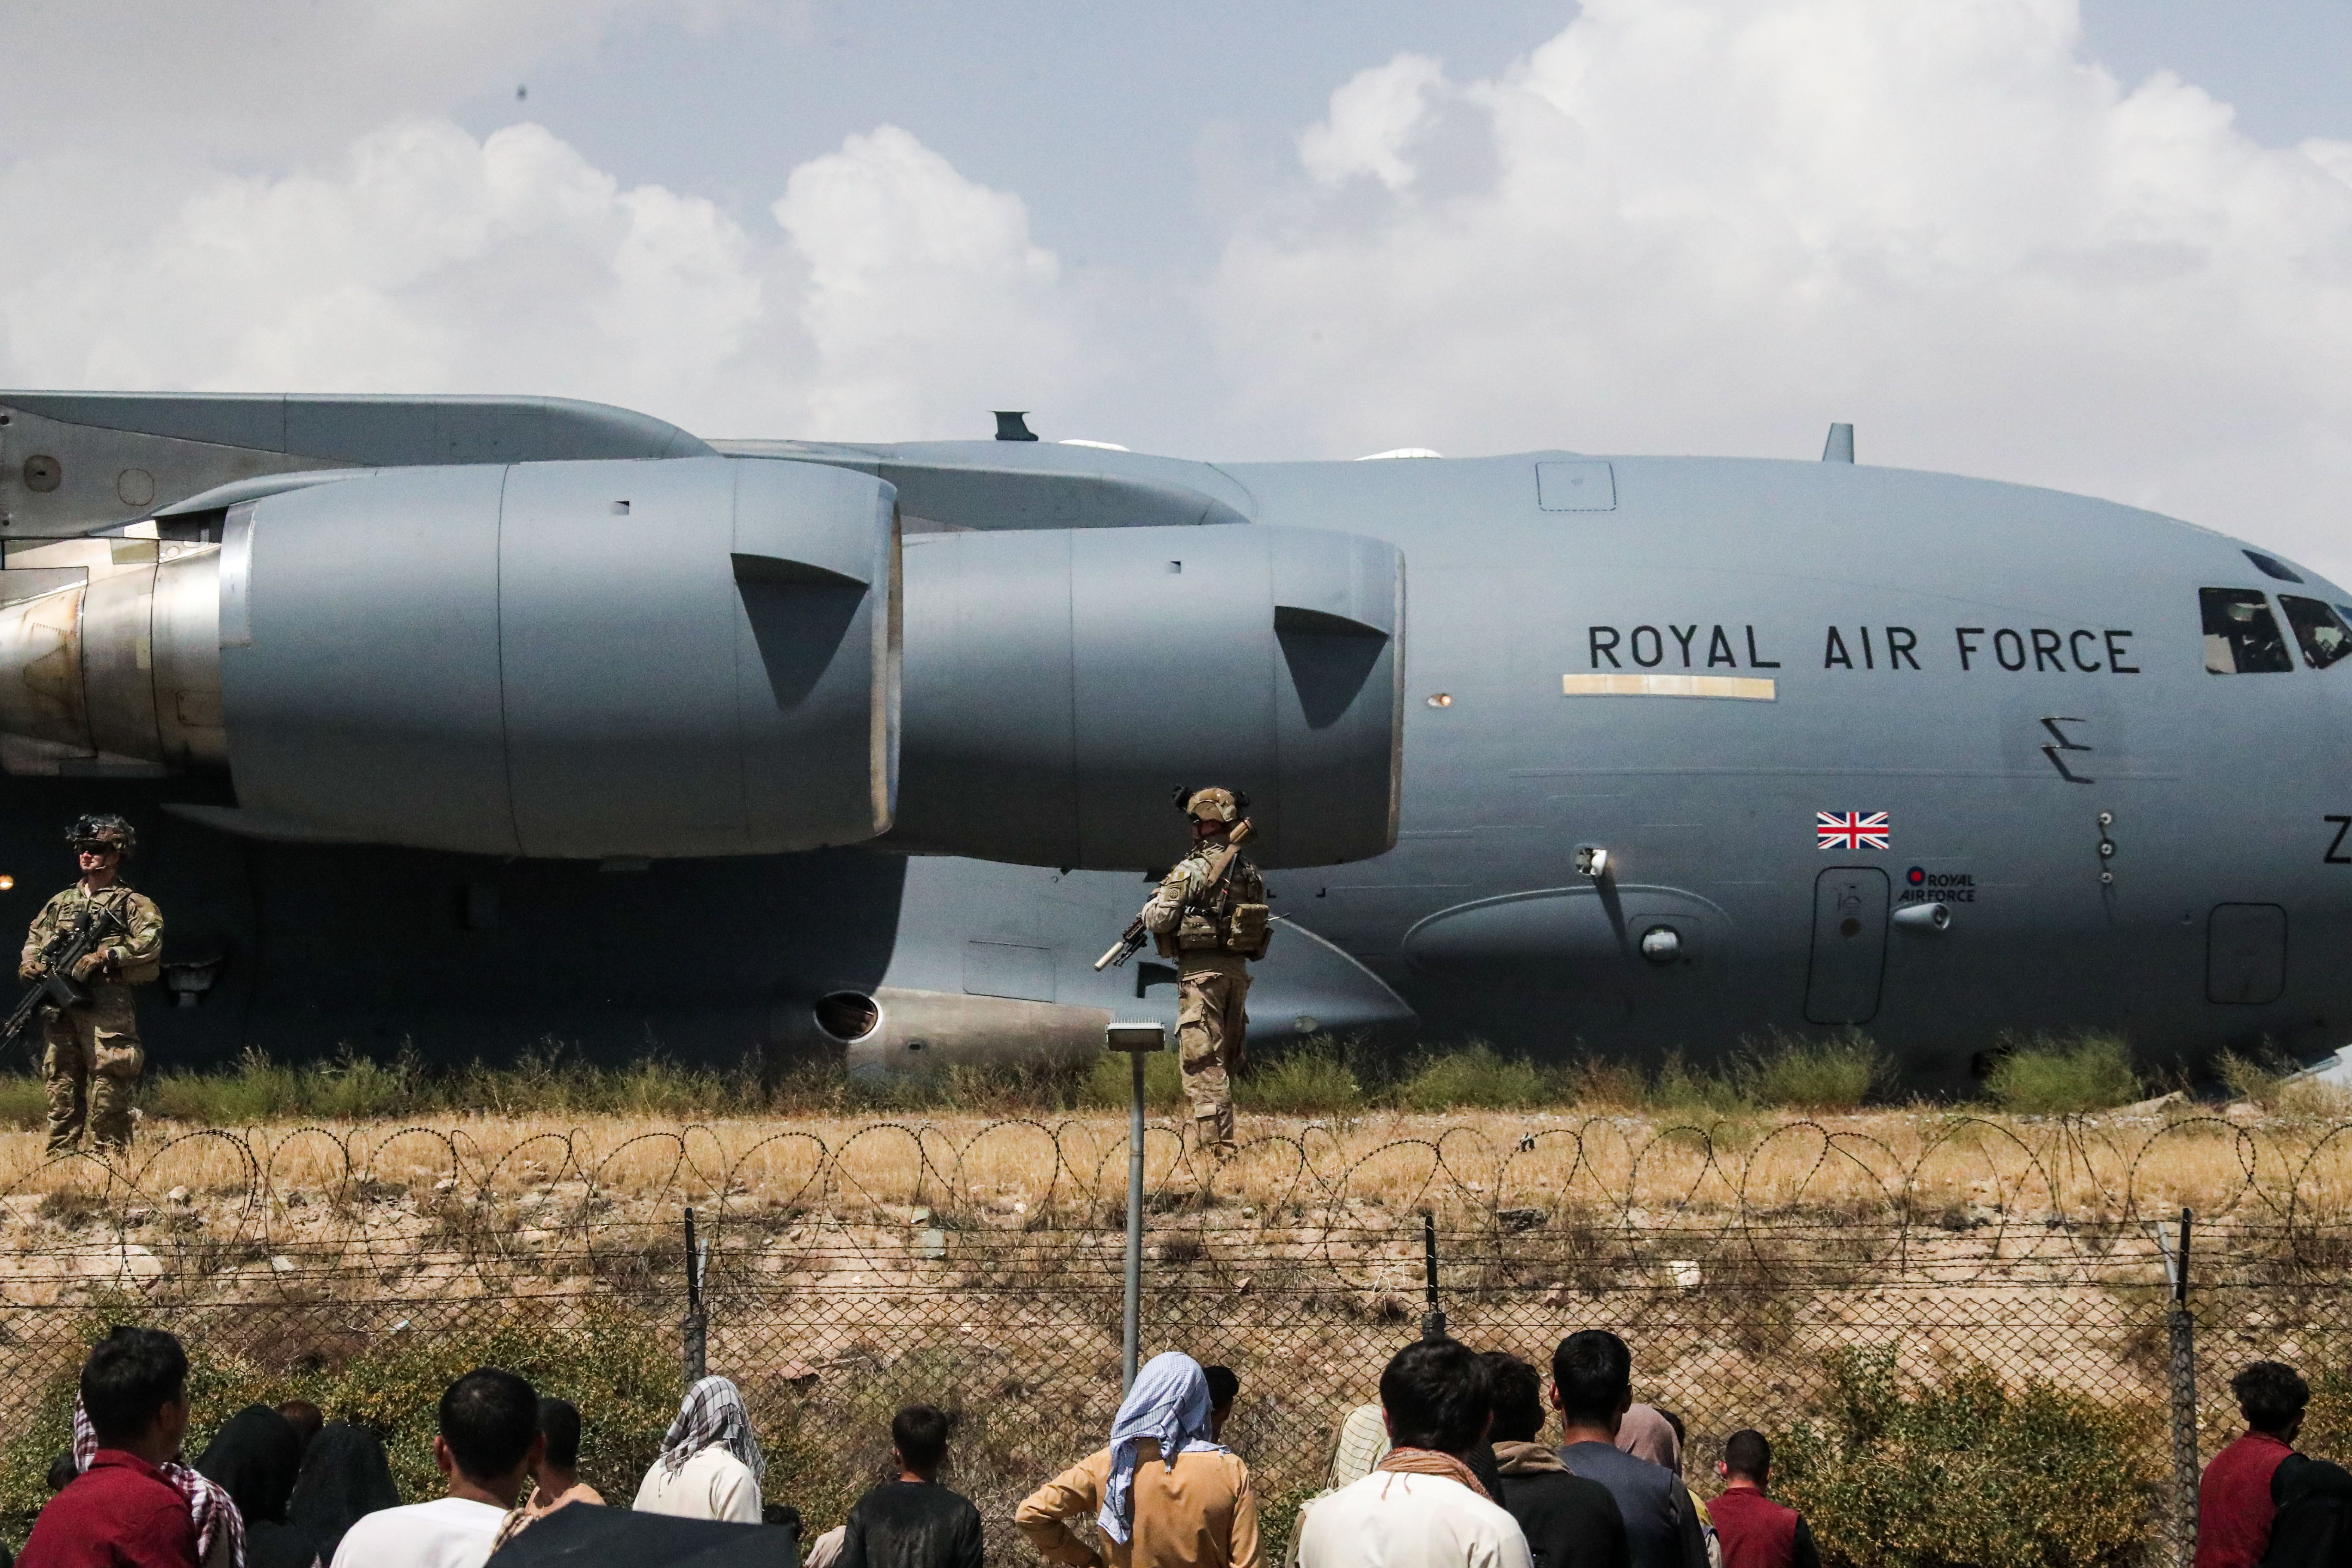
<point>1212,933</point>
<point>92,1059</point>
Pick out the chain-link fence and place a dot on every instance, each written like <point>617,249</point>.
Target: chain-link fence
<point>833,1306</point>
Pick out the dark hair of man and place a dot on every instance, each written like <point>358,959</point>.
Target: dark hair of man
<point>2271,1395</point>
<point>1222,1386</point>
<point>1594,1372</point>
<point>1516,1392</point>
<point>1436,1396</point>
<point>62,1471</point>
<point>130,1375</point>
<point>1748,1455</point>
<point>919,1433</point>
<point>306,1417</point>
<point>559,1423</point>
<point>488,1418</point>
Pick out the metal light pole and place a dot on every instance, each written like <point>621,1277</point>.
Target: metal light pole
<point>1137,1040</point>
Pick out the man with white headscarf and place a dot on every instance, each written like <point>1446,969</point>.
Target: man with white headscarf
<point>1162,1495</point>
<point>710,1465</point>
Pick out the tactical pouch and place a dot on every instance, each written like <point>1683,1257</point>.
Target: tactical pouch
<point>117,1060</point>
<point>1246,932</point>
<point>1198,932</point>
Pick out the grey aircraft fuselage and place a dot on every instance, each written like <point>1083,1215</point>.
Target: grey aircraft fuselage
<point>1937,758</point>
<point>2012,682</point>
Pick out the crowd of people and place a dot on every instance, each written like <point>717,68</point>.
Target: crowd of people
<point>1453,1467</point>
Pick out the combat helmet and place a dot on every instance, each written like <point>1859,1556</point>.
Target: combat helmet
<point>1212,805</point>
<point>104,828</point>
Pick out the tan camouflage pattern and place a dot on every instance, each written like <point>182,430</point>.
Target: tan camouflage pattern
<point>90,1063</point>
<point>1211,1022</point>
<point>1180,934</point>
<point>1212,982</point>
<point>1213,806</point>
<point>135,960</point>
<point>92,1058</point>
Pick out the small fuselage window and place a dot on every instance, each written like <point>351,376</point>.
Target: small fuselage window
<point>2324,634</point>
<point>2242,636</point>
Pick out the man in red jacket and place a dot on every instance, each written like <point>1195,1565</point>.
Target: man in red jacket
<point>2234,1509</point>
<point>121,1513</point>
<point>1756,1532</point>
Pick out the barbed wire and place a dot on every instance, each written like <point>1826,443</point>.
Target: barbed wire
<point>314,1208</point>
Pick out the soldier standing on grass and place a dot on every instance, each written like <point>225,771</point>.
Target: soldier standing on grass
<point>1213,926</point>
<point>91,1062</point>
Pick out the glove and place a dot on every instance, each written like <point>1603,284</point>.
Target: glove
<point>28,972</point>
<point>90,966</point>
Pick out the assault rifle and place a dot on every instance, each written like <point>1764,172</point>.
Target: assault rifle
<point>1130,941</point>
<point>56,990</point>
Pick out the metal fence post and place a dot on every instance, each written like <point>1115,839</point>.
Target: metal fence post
<point>1134,1039</point>
<point>2183,1377</point>
<point>1433,1316</point>
<point>695,1330</point>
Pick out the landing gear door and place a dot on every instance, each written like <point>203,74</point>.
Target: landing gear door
<point>1849,945</point>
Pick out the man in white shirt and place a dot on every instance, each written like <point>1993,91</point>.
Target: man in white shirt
<point>490,1440</point>
<point>710,1466</point>
<point>1422,1507</point>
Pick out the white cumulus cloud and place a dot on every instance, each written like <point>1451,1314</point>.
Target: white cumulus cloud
<point>926,296</point>
<point>1718,224</point>
<point>884,296</point>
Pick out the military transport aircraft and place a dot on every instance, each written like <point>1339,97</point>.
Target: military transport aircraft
<point>476,722</point>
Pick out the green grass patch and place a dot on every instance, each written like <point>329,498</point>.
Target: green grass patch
<point>23,1105</point>
<point>1109,1082</point>
<point>1790,1072</point>
<point>1474,1077</point>
<point>1913,1473</point>
<point>1313,1078</point>
<point>2043,1077</point>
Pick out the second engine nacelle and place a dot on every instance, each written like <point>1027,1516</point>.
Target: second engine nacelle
<point>1060,684</point>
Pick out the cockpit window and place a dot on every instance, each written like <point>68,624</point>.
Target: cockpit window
<point>2324,634</point>
<point>2242,636</point>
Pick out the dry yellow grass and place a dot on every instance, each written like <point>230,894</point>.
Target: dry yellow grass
<point>1855,1167</point>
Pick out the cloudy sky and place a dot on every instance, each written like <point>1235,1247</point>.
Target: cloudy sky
<point>2103,245</point>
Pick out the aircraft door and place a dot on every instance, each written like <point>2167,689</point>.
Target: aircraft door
<point>1849,945</point>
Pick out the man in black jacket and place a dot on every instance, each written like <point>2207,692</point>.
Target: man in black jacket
<point>1570,1522</point>
<point>2314,1525</point>
<point>914,1521</point>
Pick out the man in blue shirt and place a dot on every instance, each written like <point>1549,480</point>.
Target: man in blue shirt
<point>1592,1387</point>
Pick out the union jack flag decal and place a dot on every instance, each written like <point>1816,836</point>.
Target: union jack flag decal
<point>1851,830</point>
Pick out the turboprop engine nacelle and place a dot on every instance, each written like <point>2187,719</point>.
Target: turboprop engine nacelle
<point>691,657</point>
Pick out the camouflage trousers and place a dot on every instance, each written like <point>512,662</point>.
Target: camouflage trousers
<point>1212,1022</point>
<point>89,1069</point>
